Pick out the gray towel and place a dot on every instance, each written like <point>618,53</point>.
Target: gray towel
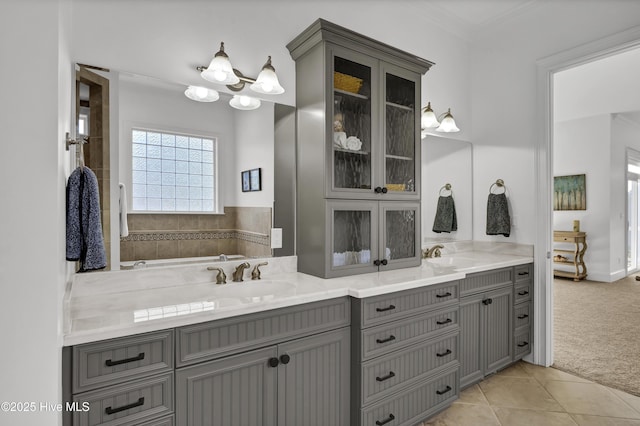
<point>498,221</point>
<point>446,220</point>
<point>84,228</point>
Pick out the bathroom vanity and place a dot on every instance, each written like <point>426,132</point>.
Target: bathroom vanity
<point>390,347</point>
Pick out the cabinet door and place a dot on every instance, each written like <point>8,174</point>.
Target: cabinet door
<point>353,137</point>
<point>399,234</point>
<point>313,383</point>
<point>237,390</point>
<point>353,237</point>
<point>498,329</point>
<point>400,117</point>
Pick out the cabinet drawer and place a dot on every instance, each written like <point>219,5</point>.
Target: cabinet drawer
<point>389,337</point>
<point>522,292</point>
<point>388,307</point>
<point>201,342</point>
<point>522,343</point>
<point>112,361</point>
<point>132,403</point>
<point>524,272</point>
<point>385,375</point>
<point>484,281</point>
<point>415,403</point>
<point>522,315</point>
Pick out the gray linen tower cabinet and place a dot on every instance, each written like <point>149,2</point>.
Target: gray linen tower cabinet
<point>358,152</point>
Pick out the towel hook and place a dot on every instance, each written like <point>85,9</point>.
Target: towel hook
<point>446,187</point>
<point>500,184</point>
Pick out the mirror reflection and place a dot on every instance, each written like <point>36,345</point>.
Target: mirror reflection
<point>172,153</point>
<point>446,162</point>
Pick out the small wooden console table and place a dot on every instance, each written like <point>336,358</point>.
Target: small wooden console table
<point>575,256</point>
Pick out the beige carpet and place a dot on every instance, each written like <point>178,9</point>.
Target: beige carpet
<point>597,331</point>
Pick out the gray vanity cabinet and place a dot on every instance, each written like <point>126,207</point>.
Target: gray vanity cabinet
<point>405,355</point>
<point>300,382</point>
<point>523,311</point>
<point>358,138</point>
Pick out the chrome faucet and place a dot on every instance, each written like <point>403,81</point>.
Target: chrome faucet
<point>255,274</point>
<point>221,277</point>
<point>239,272</point>
<point>432,252</point>
<point>139,264</point>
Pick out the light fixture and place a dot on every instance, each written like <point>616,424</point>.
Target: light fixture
<point>267,81</point>
<point>220,70</point>
<point>201,94</point>
<point>244,102</point>
<point>429,120</point>
<point>448,124</point>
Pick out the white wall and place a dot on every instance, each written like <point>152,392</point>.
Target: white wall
<point>34,114</point>
<point>584,146</point>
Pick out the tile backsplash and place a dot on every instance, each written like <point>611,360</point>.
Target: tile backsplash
<point>240,230</point>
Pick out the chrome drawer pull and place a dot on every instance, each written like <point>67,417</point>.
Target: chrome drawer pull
<point>110,363</point>
<point>447,321</point>
<point>387,377</point>
<point>442,392</point>
<point>447,352</point>
<point>522,344</point>
<point>388,308</point>
<point>388,339</point>
<point>385,421</point>
<point>523,293</point>
<point>111,411</point>
<point>447,294</point>
<point>523,316</point>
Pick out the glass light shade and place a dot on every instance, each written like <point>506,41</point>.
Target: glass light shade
<point>220,70</point>
<point>267,81</point>
<point>448,124</point>
<point>201,94</point>
<point>244,102</point>
<point>428,119</point>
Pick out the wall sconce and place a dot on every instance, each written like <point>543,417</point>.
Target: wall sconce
<point>220,71</point>
<point>429,120</point>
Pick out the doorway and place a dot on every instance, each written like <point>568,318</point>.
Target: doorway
<point>633,211</point>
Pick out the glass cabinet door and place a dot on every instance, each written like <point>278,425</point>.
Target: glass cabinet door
<point>401,133</point>
<point>353,233</point>
<point>400,233</point>
<point>352,125</point>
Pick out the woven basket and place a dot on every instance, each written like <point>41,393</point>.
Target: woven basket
<point>345,82</point>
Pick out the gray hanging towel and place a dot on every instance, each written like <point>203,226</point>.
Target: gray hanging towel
<point>498,221</point>
<point>84,228</point>
<point>446,220</point>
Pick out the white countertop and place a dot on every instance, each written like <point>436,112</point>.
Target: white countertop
<point>120,303</point>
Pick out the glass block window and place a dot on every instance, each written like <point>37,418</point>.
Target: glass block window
<point>173,172</point>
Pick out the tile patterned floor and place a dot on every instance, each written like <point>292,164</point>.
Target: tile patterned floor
<point>529,395</point>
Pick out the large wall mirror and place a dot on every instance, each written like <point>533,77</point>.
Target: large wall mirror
<point>447,162</point>
<point>245,140</point>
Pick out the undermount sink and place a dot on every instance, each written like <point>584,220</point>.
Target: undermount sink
<point>253,288</point>
<point>456,262</point>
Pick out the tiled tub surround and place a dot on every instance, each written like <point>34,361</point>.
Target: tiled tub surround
<point>121,303</point>
<point>240,230</point>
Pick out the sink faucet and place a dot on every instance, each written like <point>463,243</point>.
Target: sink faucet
<point>221,277</point>
<point>255,274</point>
<point>239,272</point>
<point>432,252</point>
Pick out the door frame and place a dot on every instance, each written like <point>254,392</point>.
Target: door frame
<point>546,68</point>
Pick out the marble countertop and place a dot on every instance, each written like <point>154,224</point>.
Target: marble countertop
<point>119,303</point>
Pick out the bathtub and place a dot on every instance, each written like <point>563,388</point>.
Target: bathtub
<point>178,261</point>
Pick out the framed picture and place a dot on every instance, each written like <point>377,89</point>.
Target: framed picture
<point>246,184</point>
<point>255,176</point>
<point>570,192</point>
